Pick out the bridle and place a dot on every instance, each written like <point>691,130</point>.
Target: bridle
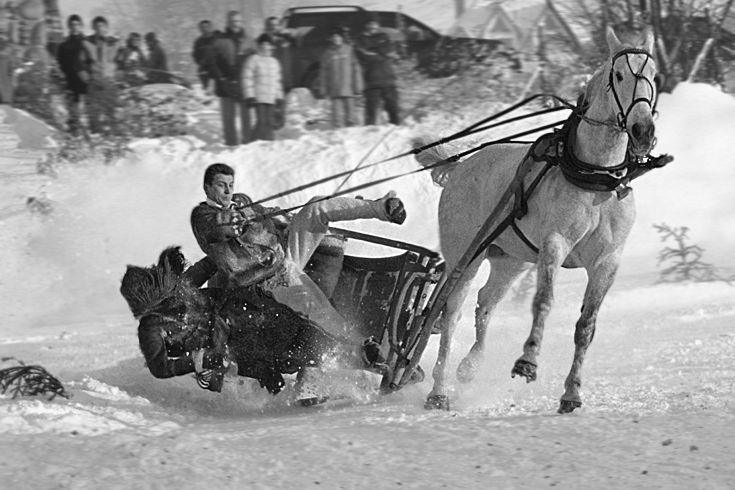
<point>622,116</point>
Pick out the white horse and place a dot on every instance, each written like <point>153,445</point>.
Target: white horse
<point>570,226</point>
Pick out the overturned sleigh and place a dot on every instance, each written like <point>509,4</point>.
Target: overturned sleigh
<point>381,297</point>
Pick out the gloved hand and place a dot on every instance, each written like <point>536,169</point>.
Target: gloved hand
<point>210,369</point>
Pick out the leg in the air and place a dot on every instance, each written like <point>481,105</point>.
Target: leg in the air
<point>311,223</point>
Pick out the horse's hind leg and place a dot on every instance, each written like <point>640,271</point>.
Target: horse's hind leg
<point>600,280</point>
<point>451,315</point>
<point>552,254</point>
<point>503,271</point>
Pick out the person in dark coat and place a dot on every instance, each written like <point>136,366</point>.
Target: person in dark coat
<point>376,53</point>
<point>283,39</point>
<point>98,69</point>
<point>340,78</point>
<point>68,55</point>
<point>157,64</point>
<point>184,329</point>
<point>201,50</point>
<point>8,63</point>
<point>224,64</point>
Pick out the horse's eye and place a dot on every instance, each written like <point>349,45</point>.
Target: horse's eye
<point>618,76</point>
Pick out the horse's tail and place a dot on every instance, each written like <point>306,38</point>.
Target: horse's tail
<point>432,156</point>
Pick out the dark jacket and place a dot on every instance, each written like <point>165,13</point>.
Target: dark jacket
<point>339,72</point>
<point>377,66</point>
<point>248,258</point>
<point>202,49</point>
<point>157,65</point>
<point>284,40</point>
<point>69,57</point>
<point>225,61</point>
<point>174,322</point>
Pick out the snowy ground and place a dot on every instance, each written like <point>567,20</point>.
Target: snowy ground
<point>659,379</point>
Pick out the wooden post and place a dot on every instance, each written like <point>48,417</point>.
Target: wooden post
<point>700,58</point>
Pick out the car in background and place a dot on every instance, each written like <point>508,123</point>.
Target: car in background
<point>435,55</point>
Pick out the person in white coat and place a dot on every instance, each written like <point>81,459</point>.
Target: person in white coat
<point>262,86</point>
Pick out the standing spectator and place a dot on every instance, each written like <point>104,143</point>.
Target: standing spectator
<point>68,55</point>
<point>97,69</point>
<point>131,61</point>
<point>157,64</point>
<point>340,78</point>
<point>283,39</point>
<point>376,52</point>
<point>7,67</point>
<point>202,47</point>
<point>263,86</point>
<point>224,65</point>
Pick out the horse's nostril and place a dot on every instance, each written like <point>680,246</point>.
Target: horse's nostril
<point>651,131</point>
<point>636,130</point>
<point>642,132</point>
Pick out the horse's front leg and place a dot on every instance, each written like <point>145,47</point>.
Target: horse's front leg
<point>438,398</point>
<point>600,280</point>
<point>503,271</point>
<point>551,255</point>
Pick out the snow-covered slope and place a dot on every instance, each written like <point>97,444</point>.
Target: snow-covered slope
<point>659,378</point>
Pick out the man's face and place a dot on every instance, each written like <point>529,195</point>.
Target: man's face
<point>221,189</point>
<point>372,27</point>
<point>266,49</point>
<point>336,39</point>
<point>100,28</point>
<point>271,25</point>
<point>205,28</point>
<point>234,22</point>
<point>75,27</point>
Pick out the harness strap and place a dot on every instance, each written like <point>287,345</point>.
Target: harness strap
<point>523,237</point>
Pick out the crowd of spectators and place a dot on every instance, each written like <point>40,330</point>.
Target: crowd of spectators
<point>250,75</point>
<point>95,67</point>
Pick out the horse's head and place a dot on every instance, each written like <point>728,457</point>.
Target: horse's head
<point>631,90</point>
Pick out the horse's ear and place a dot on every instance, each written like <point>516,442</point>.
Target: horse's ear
<point>612,41</point>
<point>645,40</point>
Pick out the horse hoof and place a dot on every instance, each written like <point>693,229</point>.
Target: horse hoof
<point>525,369</point>
<point>568,406</point>
<point>418,376</point>
<point>466,370</point>
<point>437,402</point>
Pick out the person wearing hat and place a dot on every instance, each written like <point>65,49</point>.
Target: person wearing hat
<point>340,78</point>
<point>68,54</point>
<point>376,53</point>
